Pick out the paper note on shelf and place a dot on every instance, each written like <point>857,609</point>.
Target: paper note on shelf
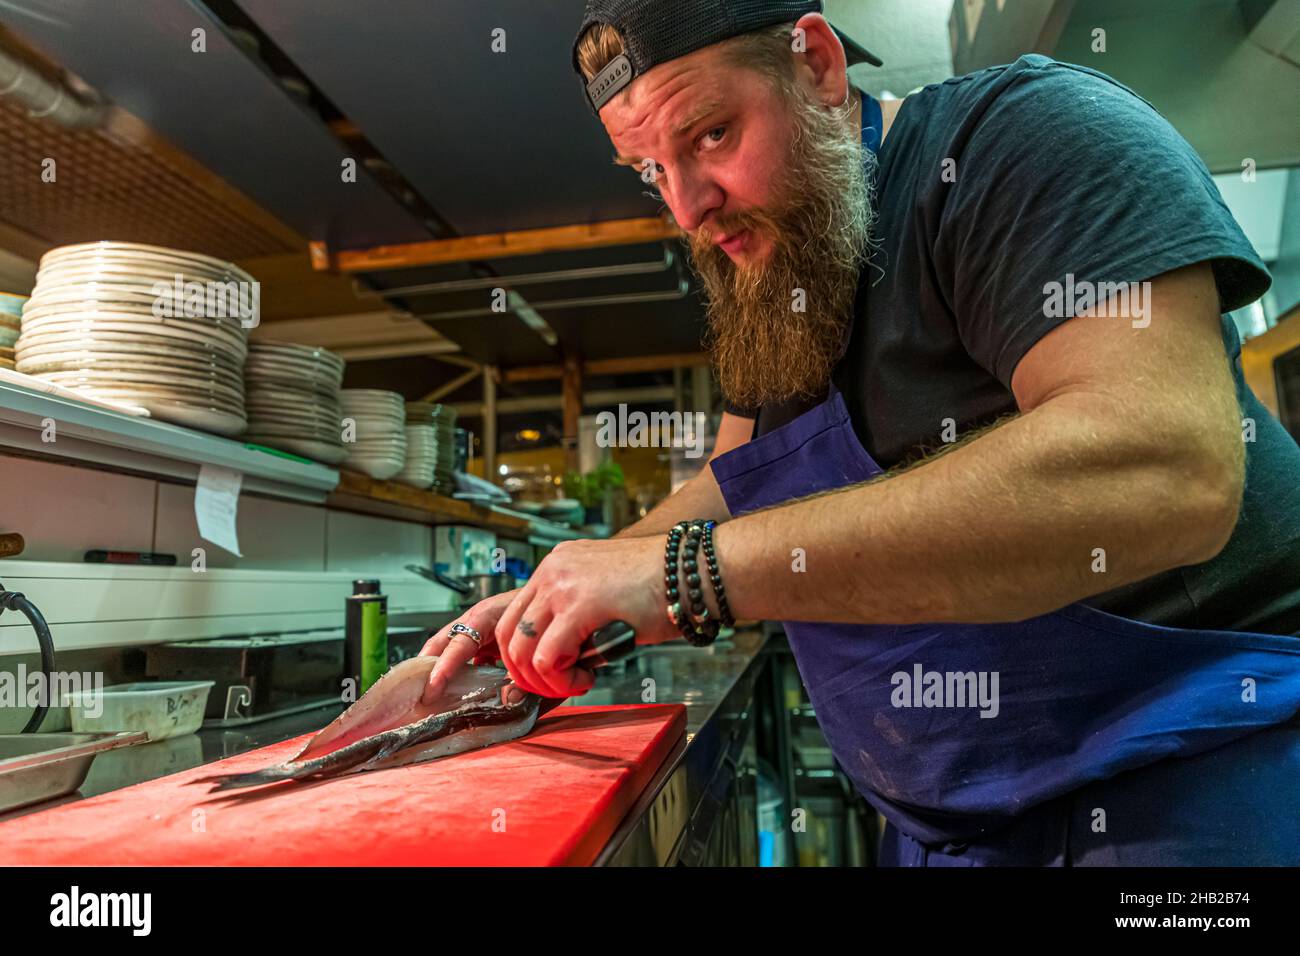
<point>216,506</point>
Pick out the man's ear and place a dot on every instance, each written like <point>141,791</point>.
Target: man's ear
<point>819,59</point>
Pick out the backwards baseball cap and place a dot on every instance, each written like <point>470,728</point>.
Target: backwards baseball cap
<point>656,31</point>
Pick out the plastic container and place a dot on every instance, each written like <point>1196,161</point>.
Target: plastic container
<point>161,709</point>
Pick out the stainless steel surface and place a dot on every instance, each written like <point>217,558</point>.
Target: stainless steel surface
<point>38,767</point>
<point>483,586</point>
<point>472,588</point>
<point>239,698</point>
<point>680,807</point>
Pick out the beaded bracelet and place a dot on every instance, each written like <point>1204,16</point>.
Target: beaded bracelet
<point>670,578</point>
<point>698,628</point>
<point>715,576</point>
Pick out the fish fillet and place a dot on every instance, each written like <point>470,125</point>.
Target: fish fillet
<point>389,727</point>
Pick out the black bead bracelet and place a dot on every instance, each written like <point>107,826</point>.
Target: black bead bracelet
<point>675,614</point>
<point>696,624</point>
<point>715,576</point>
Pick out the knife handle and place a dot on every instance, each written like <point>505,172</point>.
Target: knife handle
<point>613,642</point>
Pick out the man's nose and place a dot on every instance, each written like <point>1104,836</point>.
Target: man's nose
<point>692,199</point>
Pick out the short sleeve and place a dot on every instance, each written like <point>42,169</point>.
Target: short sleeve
<point>1066,177</point>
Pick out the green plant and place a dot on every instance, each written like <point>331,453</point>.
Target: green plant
<point>590,488</point>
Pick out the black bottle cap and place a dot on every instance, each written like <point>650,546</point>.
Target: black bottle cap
<point>365,587</point>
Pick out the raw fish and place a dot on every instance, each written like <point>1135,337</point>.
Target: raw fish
<point>389,727</point>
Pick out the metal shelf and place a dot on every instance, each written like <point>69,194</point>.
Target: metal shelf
<point>98,436</point>
<point>92,435</point>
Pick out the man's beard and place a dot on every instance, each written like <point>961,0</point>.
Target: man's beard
<point>765,349</point>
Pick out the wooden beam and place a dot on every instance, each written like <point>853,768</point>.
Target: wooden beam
<point>459,360</point>
<point>360,493</point>
<point>446,388</point>
<point>645,363</point>
<point>610,366</point>
<point>499,245</point>
<point>292,289</point>
<point>489,424</point>
<point>344,128</point>
<point>387,350</point>
<point>320,256</point>
<point>533,373</point>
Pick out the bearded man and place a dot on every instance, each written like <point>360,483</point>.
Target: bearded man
<point>977,374</point>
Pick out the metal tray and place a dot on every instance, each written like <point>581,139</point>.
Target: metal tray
<point>39,767</point>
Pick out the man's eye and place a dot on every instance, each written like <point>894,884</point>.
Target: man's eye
<point>649,170</point>
<point>716,134</point>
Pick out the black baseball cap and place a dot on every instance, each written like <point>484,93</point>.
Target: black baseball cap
<point>656,31</point>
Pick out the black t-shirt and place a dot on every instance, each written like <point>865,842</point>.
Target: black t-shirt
<point>1059,171</point>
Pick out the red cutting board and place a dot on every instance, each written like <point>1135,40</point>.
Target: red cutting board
<point>551,798</point>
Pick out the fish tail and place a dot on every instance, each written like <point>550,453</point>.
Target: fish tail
<point>254,778</point>
<point>339,762</point>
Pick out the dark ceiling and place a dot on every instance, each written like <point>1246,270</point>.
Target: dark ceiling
<point>489,141</point>
<point>495,141</point>
<point>217,105</point>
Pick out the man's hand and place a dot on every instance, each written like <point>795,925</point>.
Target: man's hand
<point>453,653</point>
<point>579,587</point>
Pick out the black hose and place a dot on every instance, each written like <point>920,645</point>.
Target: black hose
<point>15,601</point>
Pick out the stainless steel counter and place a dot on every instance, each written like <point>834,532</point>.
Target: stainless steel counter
<point>675,814</point>
<point>708,785</point>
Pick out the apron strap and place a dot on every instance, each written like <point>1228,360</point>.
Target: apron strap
<point>873,122</point>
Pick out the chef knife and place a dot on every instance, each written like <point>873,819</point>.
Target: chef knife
<point>613,642</point>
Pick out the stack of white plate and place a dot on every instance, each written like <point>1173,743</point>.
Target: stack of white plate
<point>292,397</point>
<point>375,438</point>
<point>421,456</point>
<point>11,315</point>
<point>104,320</point>
<point>438,441</point>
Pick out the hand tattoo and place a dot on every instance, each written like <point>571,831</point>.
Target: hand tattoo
<point>526,627</point>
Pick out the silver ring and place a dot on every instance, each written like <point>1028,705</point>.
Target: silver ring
<point>473,635</point>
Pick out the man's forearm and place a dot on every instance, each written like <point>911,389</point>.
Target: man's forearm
<point>1019,522</point>
<point>698,497</point>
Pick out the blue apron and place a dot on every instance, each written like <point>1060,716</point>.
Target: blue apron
<point>1112,741</point>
